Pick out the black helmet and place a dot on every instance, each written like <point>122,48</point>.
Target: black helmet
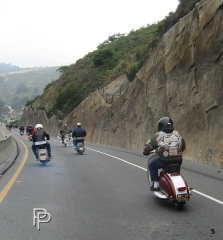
<point>165,124</point>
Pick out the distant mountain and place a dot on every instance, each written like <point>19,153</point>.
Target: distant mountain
<point>7,68</point>
<point>19,85</point>
<point>3,108</point>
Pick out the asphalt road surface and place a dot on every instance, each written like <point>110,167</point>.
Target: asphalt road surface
<point>97,196</point>
<point>1,133</point>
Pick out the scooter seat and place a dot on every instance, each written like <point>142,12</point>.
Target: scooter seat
<point>172,168</point>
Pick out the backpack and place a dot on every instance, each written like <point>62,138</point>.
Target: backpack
<point>169,146</point>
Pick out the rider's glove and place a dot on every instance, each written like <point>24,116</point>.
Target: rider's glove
<point>146,150</point>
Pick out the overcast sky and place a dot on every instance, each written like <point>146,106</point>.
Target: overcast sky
<point>59,32</point>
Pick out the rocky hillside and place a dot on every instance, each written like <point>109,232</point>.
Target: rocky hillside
<point>183,79</point>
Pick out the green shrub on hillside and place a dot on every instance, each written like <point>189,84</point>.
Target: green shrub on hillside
<point>102,56</point>
<point>48,85</point>
<point>68,98</point>
<point>16,123</point>
<point>132,70</point>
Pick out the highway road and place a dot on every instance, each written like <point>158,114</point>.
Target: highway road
<point>103,194</point>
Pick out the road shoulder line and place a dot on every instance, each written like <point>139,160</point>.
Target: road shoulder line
<point>9,185</point>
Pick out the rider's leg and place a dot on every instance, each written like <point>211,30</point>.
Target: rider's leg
<point>154,166</point>
<point>75,142</point>
<point>48,149</point>
<point>34,151</point>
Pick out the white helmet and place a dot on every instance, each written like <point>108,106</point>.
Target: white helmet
<point>78,124</point>
<point>39,126</point>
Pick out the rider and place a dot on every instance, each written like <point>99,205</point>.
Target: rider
<point>78,132</point>
<point>163,156</point>
<point>64,131</point>
<point>21,129</point>
<point>38,136</point>
<point>29,129</point>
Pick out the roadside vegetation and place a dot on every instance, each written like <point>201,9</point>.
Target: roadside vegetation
<point>15,123</point>
<point>119,54</point>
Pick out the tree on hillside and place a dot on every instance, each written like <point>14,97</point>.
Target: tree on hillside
<point>62,69</point>
<point>110,39</point>
<point>101,56</point>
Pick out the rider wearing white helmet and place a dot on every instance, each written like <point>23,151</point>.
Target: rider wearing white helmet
<point>38,136</point>
<point>39,126</point>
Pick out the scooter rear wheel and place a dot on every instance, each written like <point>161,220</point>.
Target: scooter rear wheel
<point>179,205</point>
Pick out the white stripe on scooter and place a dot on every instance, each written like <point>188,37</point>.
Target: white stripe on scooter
<point>122,160</point>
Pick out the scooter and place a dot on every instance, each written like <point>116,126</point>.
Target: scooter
<point>80,146</point>
<point>66,140</point>
<point>42,152</point>
<point>172,185</point>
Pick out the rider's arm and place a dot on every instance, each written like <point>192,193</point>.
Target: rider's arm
<point>151,145</point>
<point>73,134</point>
<point>34,137</point>
<point>183,144</point>
<point>47,136</point>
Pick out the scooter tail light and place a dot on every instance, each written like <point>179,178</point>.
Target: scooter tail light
<point>42,154</point>
<point>181,189</point>
<point>174,174</point>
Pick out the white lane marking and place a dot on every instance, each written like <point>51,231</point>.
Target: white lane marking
<point>118,159</point>
<point>209,197</point>
<point>200,193</point>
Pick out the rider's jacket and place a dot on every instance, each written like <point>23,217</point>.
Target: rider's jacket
<point>79,132</point>
<point>158,142</point>
<point>40,135</point>
<point>29,129</point>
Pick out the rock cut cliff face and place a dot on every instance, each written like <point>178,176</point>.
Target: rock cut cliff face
<point>183,79</point>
